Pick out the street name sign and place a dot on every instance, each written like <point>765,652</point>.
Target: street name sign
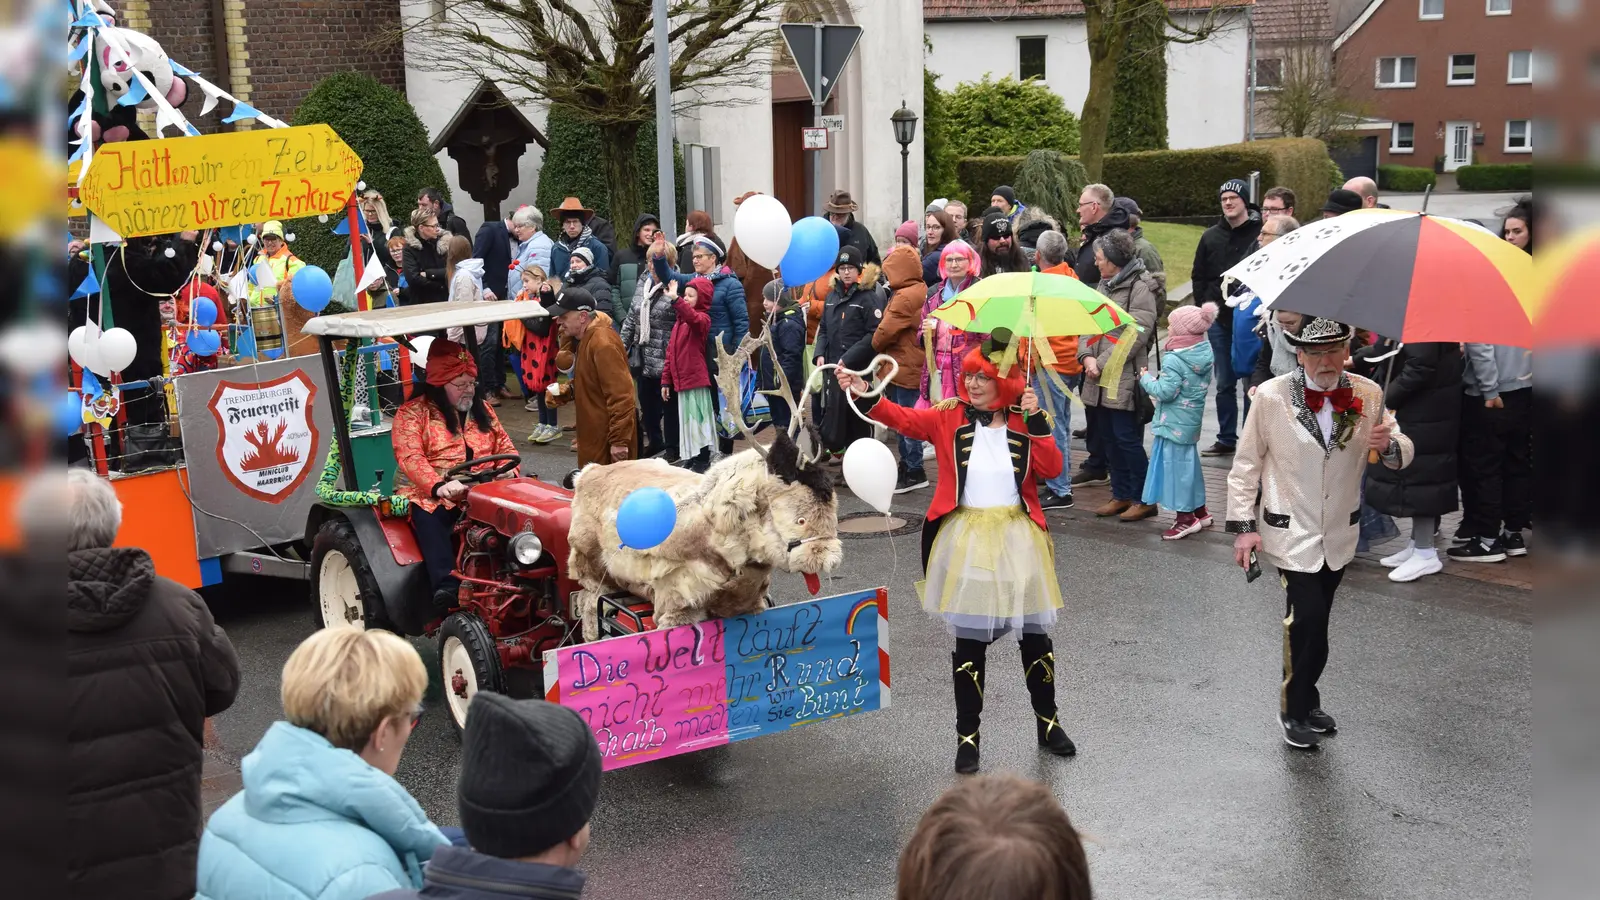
<point>212,181</point>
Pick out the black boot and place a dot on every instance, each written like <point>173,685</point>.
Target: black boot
<point>1039,671</point>
<point>967,672</point>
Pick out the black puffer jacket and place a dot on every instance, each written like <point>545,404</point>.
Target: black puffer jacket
<point>1087,271</point>
<point>145,666</point>
<point>662,315</point>
<point>1222,246</point>
<point>422,263</point>
<point>1425,394</point>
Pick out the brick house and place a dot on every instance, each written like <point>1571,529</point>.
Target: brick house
<point>271,55</point>
<point>1453,78</point>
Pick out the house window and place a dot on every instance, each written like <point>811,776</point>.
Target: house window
<point>1269,74</point>
<point>1431,9</point>
<point>1520,69</point>
<point>1519,138</point>
<point>1397,71</point>
<point>1463,68</point>
<point>1402,138</point>
<point>1030,58</point>
<point>1498,7</point>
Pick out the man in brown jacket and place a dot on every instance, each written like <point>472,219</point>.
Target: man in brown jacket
<point>899,335</point>
<point>601,384</point>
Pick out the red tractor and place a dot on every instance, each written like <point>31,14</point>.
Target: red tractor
<point>515,600</point>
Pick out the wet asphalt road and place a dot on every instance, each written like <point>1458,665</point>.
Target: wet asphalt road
<point>1168,668</point>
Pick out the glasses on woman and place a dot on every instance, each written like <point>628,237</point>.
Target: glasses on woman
<point>416,716</point>
<point>976,376</point>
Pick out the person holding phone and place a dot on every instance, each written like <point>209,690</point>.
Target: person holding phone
<point>1302,452</point>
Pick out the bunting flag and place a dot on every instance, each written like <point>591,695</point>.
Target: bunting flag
<point>344,226</point>
<point>79,50</point>
<point>242,110</point>
<point>90,19</point>
<point>89,287</point>
<point>181,69</point>
<point>136,94</point>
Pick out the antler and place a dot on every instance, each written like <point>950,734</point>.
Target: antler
<point>729,367</point>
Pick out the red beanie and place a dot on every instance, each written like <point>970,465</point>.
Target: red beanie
<point>447,360</point>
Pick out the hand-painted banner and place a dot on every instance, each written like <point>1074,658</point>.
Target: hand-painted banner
<point>192,183</point>
<point>661,693</point>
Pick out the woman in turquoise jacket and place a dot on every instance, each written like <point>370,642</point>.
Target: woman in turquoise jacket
<point>1179,392</point>
<point>321,816</point>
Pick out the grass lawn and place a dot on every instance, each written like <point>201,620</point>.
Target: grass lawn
<point>1176,245</point>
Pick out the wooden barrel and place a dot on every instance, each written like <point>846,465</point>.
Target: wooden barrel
<point>268,327</point>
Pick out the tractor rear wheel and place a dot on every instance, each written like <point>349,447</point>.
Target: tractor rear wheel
<point>468,663</point>
<point>343,588</point>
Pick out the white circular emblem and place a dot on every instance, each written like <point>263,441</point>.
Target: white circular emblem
<point>878,313</point>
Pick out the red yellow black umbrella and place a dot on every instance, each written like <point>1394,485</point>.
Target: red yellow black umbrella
<point>1404,275</point>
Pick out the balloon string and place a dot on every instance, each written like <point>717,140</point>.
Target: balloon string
<point>813,384</point>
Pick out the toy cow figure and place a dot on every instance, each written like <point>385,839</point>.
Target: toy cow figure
<point>763,509</point>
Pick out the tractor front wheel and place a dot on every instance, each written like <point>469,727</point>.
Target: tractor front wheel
<point>468,663</point>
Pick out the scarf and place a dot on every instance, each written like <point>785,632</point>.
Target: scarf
<point>1183,341</point>
<point>582,238</point>
<point>1133,269</point>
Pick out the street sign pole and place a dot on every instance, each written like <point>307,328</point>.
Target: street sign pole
<point>818,94</point>
<point>666,173</point>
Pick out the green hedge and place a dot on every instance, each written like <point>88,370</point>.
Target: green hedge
<point>991,118</point>
<point>571,168</point>
<point>1139,95</point>
<point>380,125</point>
<point>1405,179</point>
<point>1502,177</point>
<point>938,159</point>
<point>1172,183</point>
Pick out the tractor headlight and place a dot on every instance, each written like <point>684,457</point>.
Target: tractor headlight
<point>525,548</point>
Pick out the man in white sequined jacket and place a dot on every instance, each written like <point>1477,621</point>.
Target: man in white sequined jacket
<point>1302,452</point>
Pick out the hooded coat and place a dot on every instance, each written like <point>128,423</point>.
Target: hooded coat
<point>730,317</point>
<point>593,280</point>
<point>898,333</point>
<point>1179,391</point>
<point>313,821</point>
<point>1425,394</point>
<point>146,665</point>
<point>1138,292</point>
<point>687,368</point>
<point>1032,223</point>
<point>603,394</point>
<point>628,263</point>
<point>422,263</point>
<point>850,317</point>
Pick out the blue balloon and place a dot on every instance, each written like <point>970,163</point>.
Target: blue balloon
<point>203,343</point>
<point>645,518</point>
<point>69,415</point>
<point>812,251</point>
<point>205,312</point>
<point>313,289</point>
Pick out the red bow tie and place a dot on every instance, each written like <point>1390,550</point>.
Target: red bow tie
<point>1341,397</point>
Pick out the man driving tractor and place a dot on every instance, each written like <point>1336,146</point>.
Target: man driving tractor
<point>445,425</point>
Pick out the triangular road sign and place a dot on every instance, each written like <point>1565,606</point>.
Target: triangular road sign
<point>838,42</point>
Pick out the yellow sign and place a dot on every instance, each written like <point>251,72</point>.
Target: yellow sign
<point>216,180</point>
<point>27,178</point>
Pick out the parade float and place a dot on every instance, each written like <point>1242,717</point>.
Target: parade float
<point>276,464</point>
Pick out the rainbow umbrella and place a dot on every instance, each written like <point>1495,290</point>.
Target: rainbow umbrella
<point>1404,275</point>
<point>1563,292</point>
<point>1033,304</point>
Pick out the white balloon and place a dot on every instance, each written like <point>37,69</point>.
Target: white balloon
<point>33,347</point>
<point>870,470</point>
<point>80,345</point>
<point>763,229</point>
<point>420,357</point>
<point>117,349</point>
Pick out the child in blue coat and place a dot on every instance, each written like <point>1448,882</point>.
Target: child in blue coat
<point>1179,391</point>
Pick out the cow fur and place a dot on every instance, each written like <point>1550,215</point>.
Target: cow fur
<point>736,525</point>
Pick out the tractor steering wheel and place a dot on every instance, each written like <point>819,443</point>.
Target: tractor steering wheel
<point>463,471</point>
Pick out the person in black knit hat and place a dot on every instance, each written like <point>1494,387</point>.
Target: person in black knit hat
<point>530,779</point>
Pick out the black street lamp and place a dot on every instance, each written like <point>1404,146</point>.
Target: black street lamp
<point>905,130</point>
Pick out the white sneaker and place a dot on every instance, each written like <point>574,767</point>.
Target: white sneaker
<point>1416,567</point>
<point>928,452</point>
<point>1390,562</point>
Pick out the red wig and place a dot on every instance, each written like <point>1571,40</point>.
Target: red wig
<point>984,359</point>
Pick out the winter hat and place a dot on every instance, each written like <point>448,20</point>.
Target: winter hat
<point>1186,325</point>
<point>1005,192</point>
<point>849,255</point>
<point>1233,186</point>
<point>1342,201</point>
<point>996,227</point>
<point>907,230</point>
<point>530,775</point>
<point>586,255</point>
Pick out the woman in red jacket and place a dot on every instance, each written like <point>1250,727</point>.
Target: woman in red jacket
<point>989,566</point>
